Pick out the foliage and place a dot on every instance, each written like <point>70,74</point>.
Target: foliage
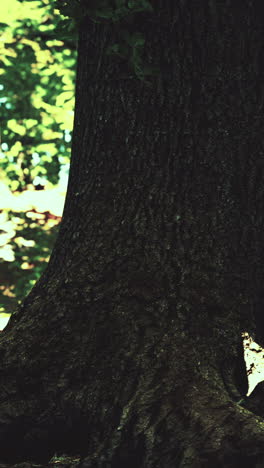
<point>99,10</point>
<point>131,45</point>
<point>122,9</point>
<point>31,245</point>
<point>28,231</point>
<point>37,70</point>
<point>131,49</point>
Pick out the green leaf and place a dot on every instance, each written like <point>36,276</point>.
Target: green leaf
<point>134,40</point>
<point>137,6</point>
<point>42,68</point>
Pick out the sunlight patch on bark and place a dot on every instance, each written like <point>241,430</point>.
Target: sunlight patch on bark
<point>254,359</point>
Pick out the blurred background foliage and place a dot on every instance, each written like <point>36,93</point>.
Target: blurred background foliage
<point>37,75</point>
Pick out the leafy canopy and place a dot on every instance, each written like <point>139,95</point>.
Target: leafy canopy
<point>37,73</point>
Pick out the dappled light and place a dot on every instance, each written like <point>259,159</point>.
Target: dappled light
<point>36,122</point>
<point>28,231</point>
<point>37,73</point>
<point>48,200</point>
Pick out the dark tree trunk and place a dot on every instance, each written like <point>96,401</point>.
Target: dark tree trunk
<point>128,350</point>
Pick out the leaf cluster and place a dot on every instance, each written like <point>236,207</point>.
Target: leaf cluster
<point>37,73</point>
<point>131,49</point>
<point>32,238</point>
<point>102,10</point>
<point>131,45</point>
<point>105,10</point>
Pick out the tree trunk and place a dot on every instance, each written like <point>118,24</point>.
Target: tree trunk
<point>128,350</point>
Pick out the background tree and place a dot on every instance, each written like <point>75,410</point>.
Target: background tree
<point>128,350</point>
<point>37,71</point>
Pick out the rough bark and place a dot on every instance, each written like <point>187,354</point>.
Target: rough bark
<point>128,350</point>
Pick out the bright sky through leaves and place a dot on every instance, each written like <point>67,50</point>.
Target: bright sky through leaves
<point>37,75</point>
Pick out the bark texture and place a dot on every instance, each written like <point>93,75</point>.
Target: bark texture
<point>128,350</point>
